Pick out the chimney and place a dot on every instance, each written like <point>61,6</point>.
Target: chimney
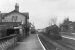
<point>17,7</point>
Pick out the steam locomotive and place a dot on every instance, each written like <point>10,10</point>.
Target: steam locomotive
<point>53,32</point>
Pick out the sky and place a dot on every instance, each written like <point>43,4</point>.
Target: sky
<point>41,11</point>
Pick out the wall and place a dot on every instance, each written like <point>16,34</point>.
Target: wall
<point>14,17</point>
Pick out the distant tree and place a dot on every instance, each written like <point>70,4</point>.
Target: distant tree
<point>52,21</point>
<point>66,20</point>
<point>65,25</point>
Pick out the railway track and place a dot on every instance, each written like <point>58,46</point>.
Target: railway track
<point>68,45</point>
<point>46,44</point>
<point>56,44</point>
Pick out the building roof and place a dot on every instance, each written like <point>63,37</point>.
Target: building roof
<point>26,14</point>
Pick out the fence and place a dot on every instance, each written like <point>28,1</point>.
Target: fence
<point>8,41</point>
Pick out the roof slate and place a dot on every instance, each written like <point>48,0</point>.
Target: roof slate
<point>26,14</point>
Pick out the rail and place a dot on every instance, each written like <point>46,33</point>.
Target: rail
<point>7,37</point>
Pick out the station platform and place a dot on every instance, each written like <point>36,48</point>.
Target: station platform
<point>30,43</point>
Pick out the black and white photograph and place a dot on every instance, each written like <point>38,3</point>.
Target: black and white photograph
<point>37,24</point>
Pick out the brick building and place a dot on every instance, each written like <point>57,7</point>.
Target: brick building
<point>68,26</point>
<point>15,16</point>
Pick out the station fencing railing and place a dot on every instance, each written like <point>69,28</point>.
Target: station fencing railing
<point>8,41</point>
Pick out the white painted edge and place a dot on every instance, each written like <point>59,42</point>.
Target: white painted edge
<point>68,37</point>
<point>41,43</point>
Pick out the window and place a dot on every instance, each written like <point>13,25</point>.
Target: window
<point>14,18</point>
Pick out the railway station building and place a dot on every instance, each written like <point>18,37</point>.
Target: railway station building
<point>15,18</point>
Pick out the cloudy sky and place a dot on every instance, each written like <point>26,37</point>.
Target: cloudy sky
<point>41,11</point>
